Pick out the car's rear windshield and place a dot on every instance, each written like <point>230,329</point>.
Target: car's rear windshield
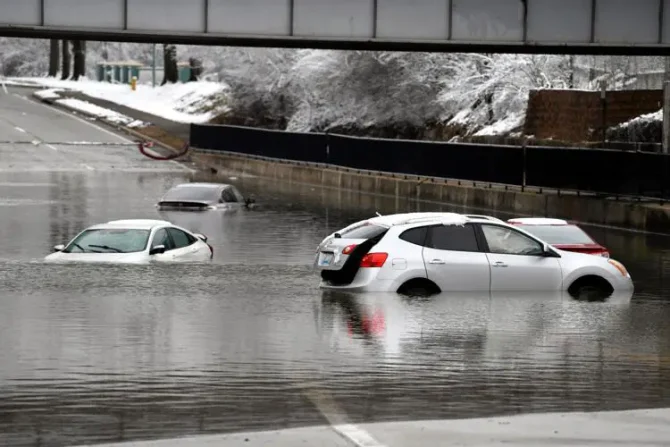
<point>365,231</point>
<point>114,240</point>
<point>559,234</point>
<point>192,193</point>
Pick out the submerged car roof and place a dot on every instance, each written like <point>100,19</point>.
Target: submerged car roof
<point>202,185</point>
<point>135,224</point>
<point>419,218</point>
<point>538,221</point>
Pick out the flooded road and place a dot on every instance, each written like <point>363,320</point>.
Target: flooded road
<point>109,353</point>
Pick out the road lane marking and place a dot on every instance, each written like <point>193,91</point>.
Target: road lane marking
<point>327,406</point>
<point>88,123</point>
<point>52,147</point>
<point>19,129</point>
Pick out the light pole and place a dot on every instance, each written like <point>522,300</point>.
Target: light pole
<point>153,65</point>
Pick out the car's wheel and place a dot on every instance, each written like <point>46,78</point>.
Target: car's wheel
<point>419,287</point>
<point>591,288</point>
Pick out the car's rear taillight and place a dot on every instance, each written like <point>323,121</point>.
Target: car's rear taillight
<point>348,249</point>
<point>372,260</point>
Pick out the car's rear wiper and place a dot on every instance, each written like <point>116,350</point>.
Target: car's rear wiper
<point>107,247</point>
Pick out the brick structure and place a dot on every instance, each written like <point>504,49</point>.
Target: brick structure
<point>577,116</point>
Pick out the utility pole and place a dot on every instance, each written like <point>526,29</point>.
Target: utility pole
<point>153,65</point>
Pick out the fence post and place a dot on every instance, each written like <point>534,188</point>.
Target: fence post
<point>666,116</point>
<point>603,102</point>
<point>523,167</point>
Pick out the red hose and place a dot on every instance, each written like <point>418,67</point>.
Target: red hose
<point>142,145</point>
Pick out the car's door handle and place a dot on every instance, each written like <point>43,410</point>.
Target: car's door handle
<point>499,264</point>
<point>436,261</point>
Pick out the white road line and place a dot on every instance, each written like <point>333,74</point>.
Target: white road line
<point>337,419</point>
<point>4,88</point>
<point>81,120</point>
<point>52,147</point>
<point>19,129</point>
<point>109,132</point>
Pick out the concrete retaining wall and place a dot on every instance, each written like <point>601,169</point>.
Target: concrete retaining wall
<point>638,216</point>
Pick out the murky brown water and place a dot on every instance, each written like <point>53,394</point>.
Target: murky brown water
<point>93,353</point>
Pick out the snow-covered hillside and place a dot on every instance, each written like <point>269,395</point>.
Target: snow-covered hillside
<point>318,90</point>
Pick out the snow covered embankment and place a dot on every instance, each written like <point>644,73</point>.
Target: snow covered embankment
<point>86,108</point>
<point>647,128</point>
<point>191,102</point>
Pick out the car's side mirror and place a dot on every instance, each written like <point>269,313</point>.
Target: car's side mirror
<point>59,247</point>
<point>157,250</point>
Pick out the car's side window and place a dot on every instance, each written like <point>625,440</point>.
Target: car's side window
<point>180,238</point>
<point>453,238</point>
<point>507,241</point>
<point>161,238</point>
<point>228,196</point>
<point>415,236</point>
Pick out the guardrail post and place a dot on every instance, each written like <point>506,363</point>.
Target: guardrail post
<point>327,147</point>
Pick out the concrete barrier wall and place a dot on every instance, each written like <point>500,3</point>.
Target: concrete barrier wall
<point>593,170</point>
<point>630,215</point>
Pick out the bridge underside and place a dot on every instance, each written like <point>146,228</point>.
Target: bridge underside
<point>528,26</point>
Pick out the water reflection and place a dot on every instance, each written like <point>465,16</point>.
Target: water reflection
<point>501,319</point>
<point>68,207</point>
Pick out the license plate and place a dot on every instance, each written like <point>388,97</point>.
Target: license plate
<point>325,259</point>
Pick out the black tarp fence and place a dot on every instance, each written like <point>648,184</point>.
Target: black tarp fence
<point>609,171</point>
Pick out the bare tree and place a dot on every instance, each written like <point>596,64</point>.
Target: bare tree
<point>54,57</point>
<point>170,69</point>
<point>79,50</point>
<point>67,60</point>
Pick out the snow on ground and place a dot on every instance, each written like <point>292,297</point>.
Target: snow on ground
<point>99,112</point>
<point>49,93</point>
<point>502,127</point>
<point>191,102</point>
<point>655,116</point>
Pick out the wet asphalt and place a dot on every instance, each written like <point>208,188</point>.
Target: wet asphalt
<point>95,354</point>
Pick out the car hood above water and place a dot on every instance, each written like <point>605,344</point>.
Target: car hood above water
<point>130,258</point>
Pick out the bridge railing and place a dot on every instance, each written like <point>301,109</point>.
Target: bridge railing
<point>609,172</point>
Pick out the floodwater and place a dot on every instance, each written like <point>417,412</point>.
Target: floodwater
<point>109,353</point>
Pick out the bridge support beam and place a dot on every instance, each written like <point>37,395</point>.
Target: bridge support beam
<point>522,26</point>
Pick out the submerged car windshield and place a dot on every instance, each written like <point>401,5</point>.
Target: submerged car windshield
<point>193,194</point>
<point>113,240</point>
<point>559,234</point>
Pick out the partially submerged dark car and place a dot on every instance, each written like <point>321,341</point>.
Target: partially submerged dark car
<point>203,196</point>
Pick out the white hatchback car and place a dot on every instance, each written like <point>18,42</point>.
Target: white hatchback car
<point>426,253</point>
<point>135,241</point>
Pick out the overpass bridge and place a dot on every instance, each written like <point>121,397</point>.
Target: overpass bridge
<point>522,26</point>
